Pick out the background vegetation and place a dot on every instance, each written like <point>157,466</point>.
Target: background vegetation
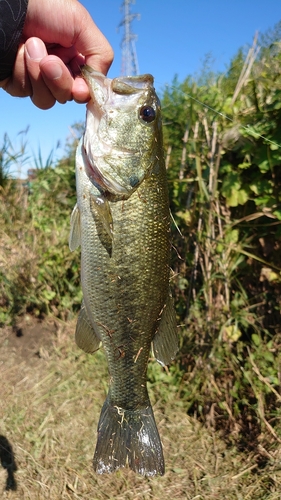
<point>222,135</point>
<point>224,160</point>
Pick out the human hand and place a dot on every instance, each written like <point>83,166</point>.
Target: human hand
<point>59,36</point>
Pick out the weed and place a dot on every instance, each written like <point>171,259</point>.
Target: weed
<point>226,264</point>
<point>38,273</point>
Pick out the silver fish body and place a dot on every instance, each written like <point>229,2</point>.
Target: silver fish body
<point>122,222</point>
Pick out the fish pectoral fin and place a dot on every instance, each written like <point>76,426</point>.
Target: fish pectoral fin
<point>75,230</point>
<point>165,343</point>
<point>85,335</point>
<point>101,210</point>
<point>102,215</point>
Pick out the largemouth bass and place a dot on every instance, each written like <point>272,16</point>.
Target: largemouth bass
<point>122,222</point>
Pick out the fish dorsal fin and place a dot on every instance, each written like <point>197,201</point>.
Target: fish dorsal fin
<point>85,335</point>
<point>165,343</point>
<point>75,230</point>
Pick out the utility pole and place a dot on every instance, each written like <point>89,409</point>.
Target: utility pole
<point>129,54</point>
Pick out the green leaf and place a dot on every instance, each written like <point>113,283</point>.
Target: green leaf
<point>48,294</point>
<point>251,132</point>
<point>277,213</point>
<point>264,166</point>
<point>45,185</point>
<point>230,188</point>
<point>268,356</point>
<point>232,333</point>
<point>242,197</point>
<point>232,236</point>
<point>237,197</point>
<point>256,339</point>
<point>244,165</point>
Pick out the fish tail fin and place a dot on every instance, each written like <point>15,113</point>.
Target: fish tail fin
<point>128,437</point>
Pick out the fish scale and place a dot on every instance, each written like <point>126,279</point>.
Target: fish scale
<point>134,280</point>
<point>124,231</point>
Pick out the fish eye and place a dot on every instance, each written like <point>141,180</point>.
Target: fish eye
<point>147,114</point>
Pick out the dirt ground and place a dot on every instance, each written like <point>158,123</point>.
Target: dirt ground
<point>21,351</point>
<point>25,341</point>
<point>51,396</point>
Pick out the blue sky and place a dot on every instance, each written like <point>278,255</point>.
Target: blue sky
<point>174,36</point>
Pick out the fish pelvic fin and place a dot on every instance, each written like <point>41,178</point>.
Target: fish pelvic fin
<point>128,437</point>
<point>85,335</point>
<point>166,343</point>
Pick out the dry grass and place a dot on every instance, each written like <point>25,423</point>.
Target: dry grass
<point>51,395</point>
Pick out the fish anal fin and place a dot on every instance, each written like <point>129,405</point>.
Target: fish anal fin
<point>128,437</point>
<point>165,343</point>
<point>85,335</point>
<point>75,230</point>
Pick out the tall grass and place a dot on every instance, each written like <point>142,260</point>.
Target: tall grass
<point>38,273</point>
<point>230,356</point>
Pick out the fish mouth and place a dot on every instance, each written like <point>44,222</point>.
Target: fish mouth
<point>106,184</point>
<point>123,85</point>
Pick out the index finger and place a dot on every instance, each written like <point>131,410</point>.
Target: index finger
<point>74,29</point>
<point>93,45</point>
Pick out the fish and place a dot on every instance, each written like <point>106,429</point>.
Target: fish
<point>122,222</point>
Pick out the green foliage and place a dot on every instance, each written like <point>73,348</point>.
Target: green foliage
<point>11,159</point>
<point>38,272</point>
<point>224,145</point>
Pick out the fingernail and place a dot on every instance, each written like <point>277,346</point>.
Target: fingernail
<point>52,70</point>
<point>35,49</point>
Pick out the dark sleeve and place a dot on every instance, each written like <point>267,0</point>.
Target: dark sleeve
<point>12,17</point>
